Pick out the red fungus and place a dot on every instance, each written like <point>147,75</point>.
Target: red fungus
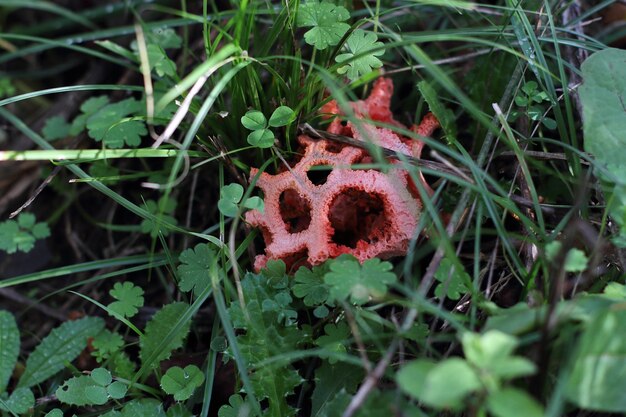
<point>312,214</point>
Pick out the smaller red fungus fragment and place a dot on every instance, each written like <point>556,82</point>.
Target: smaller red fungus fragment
<point>313,214</point>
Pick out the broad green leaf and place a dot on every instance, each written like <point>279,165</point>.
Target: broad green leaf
<point>19,402</point>
<point>439,385</point>
<point>193,271</point>
<point>254,120</point>
<point>602,95</point>
<point>63,344</point>
<point>363,49</point>
<point>262,138</point>
<point>9,347</point>
<point>282,116</point>
<point>511,402</point>
<point>181,383</point>
<point>598,376</point>
<point>157,327</point>
<point>129,298</point>
<point>327,21</point>
<point>349,279</point>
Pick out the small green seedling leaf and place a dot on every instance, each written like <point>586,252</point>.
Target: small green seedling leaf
<point>96,394</point>
<point>160,62</point>
<point>363,49</point>
<point>282,116</point>
<point>22,234</point>
<point>254,120</point>
<point>262,138</point>
<point>56,127</point>
<point>349,279</point>
<point>129,299</point>
<point>193,272</point>
<point>327,21</point>
<point>181,383</point>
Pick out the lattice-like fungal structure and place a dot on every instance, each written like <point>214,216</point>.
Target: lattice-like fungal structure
<point>322,207</point>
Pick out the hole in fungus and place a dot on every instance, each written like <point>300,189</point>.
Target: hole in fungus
<point>334,147</point>
<point>318,174</point>
<point>356,215</point>
<point>295,211</point>
<point>296,260</point>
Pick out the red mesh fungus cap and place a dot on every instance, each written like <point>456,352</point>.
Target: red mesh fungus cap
<point>322,208</point>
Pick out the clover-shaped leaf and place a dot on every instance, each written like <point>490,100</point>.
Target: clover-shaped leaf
<point>129,299</point>
<point>361,58</point>
<point>254,120</point>
<point>181,383</point>
<point>282,116</point>
<point>230,197</point>
<point>349,279</point>
<point>262,138</point>
<point>327,20</point>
